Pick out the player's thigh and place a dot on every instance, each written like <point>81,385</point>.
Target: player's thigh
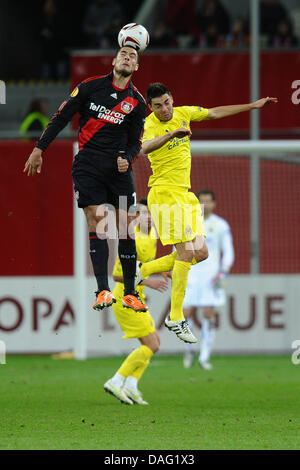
<point>121,190</point>
<point>89,185</point>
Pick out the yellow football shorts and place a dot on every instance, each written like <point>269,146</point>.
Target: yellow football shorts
<point>134,324</point>
<point>176,213</point>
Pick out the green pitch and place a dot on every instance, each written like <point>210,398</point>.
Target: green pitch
<point>244,403</point>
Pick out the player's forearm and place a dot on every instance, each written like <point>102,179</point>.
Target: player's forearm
<point>154,144</point>
<point>49,134</point>
<point>225,111</point>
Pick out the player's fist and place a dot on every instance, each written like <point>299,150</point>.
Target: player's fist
<point>34,162</point>
<point>180,133</point>
<point>123,164</point>
<point>260,103</point>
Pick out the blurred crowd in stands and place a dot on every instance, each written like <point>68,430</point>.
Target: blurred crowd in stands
<point>175,24</point>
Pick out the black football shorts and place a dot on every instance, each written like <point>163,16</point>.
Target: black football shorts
<point>94,186</point>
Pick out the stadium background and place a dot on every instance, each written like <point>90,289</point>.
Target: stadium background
<point>36,312</point>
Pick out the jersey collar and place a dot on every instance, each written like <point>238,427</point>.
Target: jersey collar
<point>111,76</point>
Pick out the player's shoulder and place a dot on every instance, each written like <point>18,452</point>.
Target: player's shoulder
<point>150,120</point>
<point>92,81</point>
<point>138,95</point>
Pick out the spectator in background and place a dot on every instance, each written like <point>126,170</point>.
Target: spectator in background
<point>239,35</point>
<point>181,16</point>
<point>284,36</point>
<point>162,36</point>
<point>213,16</point>
<point>271,14</point>
<point>210,37</point>
<point>54,60</point>
<point>36,119</point>
<point>102,23</point>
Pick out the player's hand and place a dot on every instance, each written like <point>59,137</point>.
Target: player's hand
<point>219,281</point>
<point>156,284</point>
<point>180,133</point>
<point>34,162</point>
<point>166,275</point>
<point>260,103</point>
<point>123,164</point>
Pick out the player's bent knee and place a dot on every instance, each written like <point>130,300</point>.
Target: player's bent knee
<point>201,255</point>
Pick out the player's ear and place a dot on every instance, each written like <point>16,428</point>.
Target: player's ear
<point>114,61</point>
<point>136,67</point>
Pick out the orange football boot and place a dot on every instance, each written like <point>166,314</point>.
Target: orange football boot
<point>104,299</point>
<point>134,302</point>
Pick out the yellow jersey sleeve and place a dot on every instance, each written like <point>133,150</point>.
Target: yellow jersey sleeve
<point>197,113</point>
<point>149,132</point>
<point>117,271</point>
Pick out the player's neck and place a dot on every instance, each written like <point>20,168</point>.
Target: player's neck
<point>119,81</point>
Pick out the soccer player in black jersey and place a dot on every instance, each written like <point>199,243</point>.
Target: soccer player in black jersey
<point>112,115</point>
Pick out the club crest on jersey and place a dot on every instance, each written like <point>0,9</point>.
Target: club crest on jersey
<point>74,92</point>
<point>126,107</point>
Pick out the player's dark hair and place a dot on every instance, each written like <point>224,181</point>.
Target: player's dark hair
<point>155,90</point>
<point>137,52</point>
<point>143,202</point>
<point>206,192</point>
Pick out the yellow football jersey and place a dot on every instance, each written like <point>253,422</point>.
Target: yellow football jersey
<point>146,251</point>
<point>171,164</point>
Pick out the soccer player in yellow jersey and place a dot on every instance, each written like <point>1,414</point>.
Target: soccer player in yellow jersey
<point>175,210</point>
<point>124,384</point>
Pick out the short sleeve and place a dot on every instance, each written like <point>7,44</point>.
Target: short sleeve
<point>197,113</point>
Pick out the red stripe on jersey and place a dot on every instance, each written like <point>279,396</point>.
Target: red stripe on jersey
<point>93,125</point>
<point>120,89</point>
<point>93,78</point>
<point>135,89</point>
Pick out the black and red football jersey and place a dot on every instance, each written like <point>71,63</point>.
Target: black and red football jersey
<point>111,119</point>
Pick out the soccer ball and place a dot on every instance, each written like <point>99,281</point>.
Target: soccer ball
<point>134,35</point>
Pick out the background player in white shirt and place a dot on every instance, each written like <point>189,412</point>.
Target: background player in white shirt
<point>205,287</point>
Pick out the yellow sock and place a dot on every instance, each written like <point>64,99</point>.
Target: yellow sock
<point>159,265</point>
<point>179,283</point>
<point>136,362</point>
<point>194,261</point>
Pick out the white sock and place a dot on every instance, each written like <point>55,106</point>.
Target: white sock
<point>131,382</point>
<point>117,380</point>
<point>208,337</point>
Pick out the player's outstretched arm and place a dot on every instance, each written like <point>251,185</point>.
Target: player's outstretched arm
<point>225,111</point>
<point>34,162</point>
<point>153,144</point>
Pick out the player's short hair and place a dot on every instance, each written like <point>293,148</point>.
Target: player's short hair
<point>143,202</point>
<point>206,192</point>
<point>137,52</point>
<point>155,90</point>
